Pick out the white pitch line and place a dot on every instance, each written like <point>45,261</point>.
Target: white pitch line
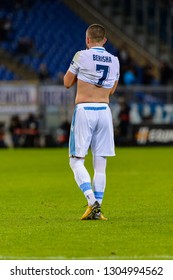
<point>154,257</point>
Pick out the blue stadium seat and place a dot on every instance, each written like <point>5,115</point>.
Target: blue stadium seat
<point>56,31</point>
<point>6,74</point>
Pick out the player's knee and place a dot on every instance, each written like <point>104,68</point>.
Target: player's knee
<point>75,163</point>
<point>80,173</point>
<point>72,163</point>
<point>100,164</point>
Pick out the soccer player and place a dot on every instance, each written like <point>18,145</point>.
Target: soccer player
<point>96,72</point>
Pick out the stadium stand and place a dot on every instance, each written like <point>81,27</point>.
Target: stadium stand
<point>147,22</point>
<point>41,36</point>
<point>37,45</point>
<point>34,33</point>
<point>6,74</point>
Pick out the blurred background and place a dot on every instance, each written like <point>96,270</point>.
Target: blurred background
<point>38,39</point>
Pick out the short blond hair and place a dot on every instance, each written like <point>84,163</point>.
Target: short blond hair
<point>96,32</point>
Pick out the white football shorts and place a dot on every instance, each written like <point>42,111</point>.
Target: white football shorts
<point>92,127</point>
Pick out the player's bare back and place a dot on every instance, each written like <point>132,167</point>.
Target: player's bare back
<point>87,92</point>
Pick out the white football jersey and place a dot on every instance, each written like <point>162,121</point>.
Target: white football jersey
<point>96,66</point>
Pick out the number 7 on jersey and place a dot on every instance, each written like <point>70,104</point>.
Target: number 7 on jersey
<point>105,70</point>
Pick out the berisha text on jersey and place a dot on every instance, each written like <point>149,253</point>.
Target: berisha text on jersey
<point>102,58</point>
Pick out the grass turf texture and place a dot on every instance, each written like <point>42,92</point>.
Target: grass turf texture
<point>41,206</point>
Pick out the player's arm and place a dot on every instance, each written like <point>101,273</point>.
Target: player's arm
<point>117,77</point>
<point>69,79</point>
<point>114,88</point>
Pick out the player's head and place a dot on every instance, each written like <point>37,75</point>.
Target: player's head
<point>95,34</point>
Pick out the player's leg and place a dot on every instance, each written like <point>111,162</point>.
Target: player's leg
<point>102,145</point>
<point>99,180</point>
<point>80,138</point>
<point>83,180</point>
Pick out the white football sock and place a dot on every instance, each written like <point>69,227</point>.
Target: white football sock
<point>99,180</point>
<point>82,179</point>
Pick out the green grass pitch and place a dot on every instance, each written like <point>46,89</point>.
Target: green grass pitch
<point>41,206</point>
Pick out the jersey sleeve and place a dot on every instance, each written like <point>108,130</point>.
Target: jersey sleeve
<point>75,64</point>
